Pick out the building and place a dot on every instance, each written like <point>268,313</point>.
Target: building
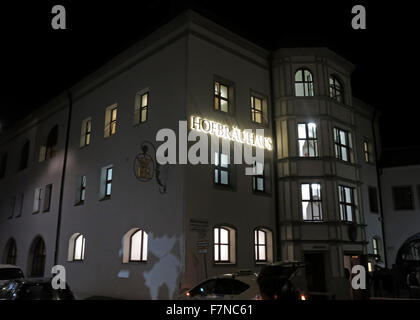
<point>79,190</point>
<point>401,203</point>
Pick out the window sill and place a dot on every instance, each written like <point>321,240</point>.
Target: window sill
<point>223,187</point>
<point>135,262</point>
<point>80,203</point>
<point>105,198</point>
<point>261,193</point>
<point>215,263</point>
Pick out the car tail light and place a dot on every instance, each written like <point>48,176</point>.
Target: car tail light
<point>303,297</point>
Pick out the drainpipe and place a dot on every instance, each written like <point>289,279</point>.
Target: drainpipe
<point>378,174</point>
<point>275,157</point>
<point>63,175</point>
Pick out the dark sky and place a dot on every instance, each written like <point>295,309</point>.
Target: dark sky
<point>38,62</point>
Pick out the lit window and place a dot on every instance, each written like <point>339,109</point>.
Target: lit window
<point>37,200</point>
<point>304,84</point>
<point>108,182</point>
<point>336,89</point>
<point>19,205</point>
<point>141,106</point>
<point>347,203</point>
<point>311,202</point>
<point>86,133</point>
<point>221,168</point>
<point>110,121</point>
<point>375,246</point>
<point>403,198</point>
<point>260,238</point>
<point>221,97</point>
<point>47,198</point>
<point>367,152</point>
<point>138,246</point>
<point>77,247</point>
<point>307,140</point>
<point>258,179</point>
<point>343,145</point>
<point>258,110</point>
<point>222,245</point>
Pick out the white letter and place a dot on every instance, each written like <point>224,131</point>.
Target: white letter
<point>359,280</point>
<point>201,147</point>
<point>59,21</point>
<point>359,20</point>
<point>59,280</point>
<point>169,146</point>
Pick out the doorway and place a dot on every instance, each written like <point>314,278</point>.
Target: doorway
<point>315,272</point>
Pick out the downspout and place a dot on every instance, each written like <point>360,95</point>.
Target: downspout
<point>378,174</point>
<point>63,175</point>
<point>275,161</point>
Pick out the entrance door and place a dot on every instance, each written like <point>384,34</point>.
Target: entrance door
<point>315,272</point>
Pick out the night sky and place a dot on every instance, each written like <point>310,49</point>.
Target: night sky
<point>38,62</point>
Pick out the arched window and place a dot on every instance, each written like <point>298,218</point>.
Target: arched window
<point>263,242</point>
<point>10,253</point>
<point>51,143</point>
<point>224,245</point>
<point>76,247</point>
<point>336,89</point>
<point>304,84</point>
<point>37,254</point>
<point>135,246</point>
<point>24,156</point>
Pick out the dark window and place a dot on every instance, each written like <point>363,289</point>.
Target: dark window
<point>403,198</point>
<point>304,84</point>
<point>206,288</point>
<point>336,89</point>
<point>227,286</point>
<point>11,252</point>
<point>221,168</point>
<point>373,200</point>
<point>38,258</point>
<point>51,146</point>
<point>221,97</point>
<point>311,201</point>
<point>24,156</point>
<point>9,274</point>
<point>347,203</point>
<point>82,194</point>
<point>3,165</point>
<point>47,199</point>
<point>258,179</point>
<point>343,145</point>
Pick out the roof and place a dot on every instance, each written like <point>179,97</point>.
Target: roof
<point>400,157</point>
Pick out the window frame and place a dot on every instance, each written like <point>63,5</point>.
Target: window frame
<point>82,190</point>
<point>218,260</point>
<point>311,201</point>
<point>307,139</point>
<point>108,181</point>
<point>307,86</point>
<point>130,244</point>
<point>46,206</point>
<point>338,145</point>
<point>11,254</point>
<point>345,204</point>
<point>257,245</point>
<point>336,89</point>
<point>138,109</point>
<point>218,168</point>
<point>217,96</point>
<point>82,254</point>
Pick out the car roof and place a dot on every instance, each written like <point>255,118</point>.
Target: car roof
<point>8,266</point>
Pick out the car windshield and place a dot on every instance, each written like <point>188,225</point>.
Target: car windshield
<point>10,274</point>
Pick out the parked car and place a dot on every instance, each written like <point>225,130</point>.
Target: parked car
<point>275,281</point>
<point>33,289</point>
<point>241,285</point>
<point>9,272</point>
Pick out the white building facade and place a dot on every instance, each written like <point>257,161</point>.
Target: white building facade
<point>84,194</point>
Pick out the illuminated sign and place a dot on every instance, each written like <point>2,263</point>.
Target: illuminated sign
<point>233,133</point>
